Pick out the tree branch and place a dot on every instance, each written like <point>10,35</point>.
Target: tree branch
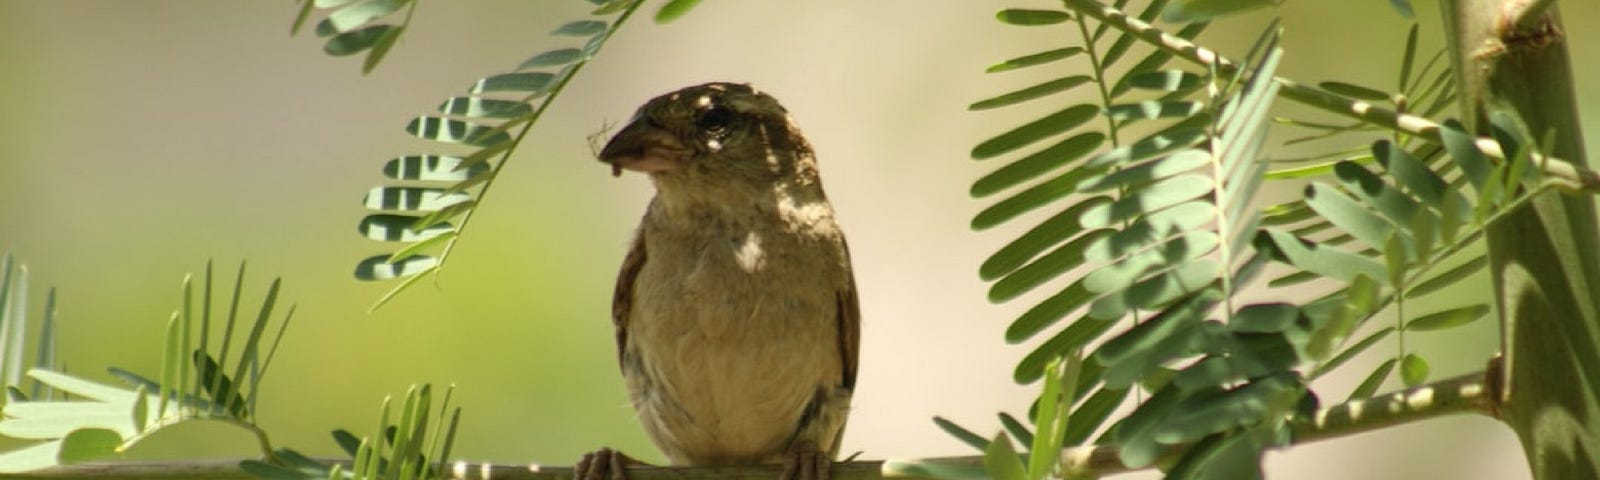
<point>1465,394</point>
<point>1568,177</point>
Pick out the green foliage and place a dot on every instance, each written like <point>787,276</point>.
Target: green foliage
<point>1165,225</point>
<point>71,419</point>
<point>351,26</point>
<point>414,445</point>
<point>432,197</point>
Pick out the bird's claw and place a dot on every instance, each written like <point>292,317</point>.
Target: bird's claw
<point>602,464</point>
<point>806,464</point>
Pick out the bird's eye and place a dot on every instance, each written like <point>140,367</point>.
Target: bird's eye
<point>716,118</point>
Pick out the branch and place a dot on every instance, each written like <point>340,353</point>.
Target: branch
<point>1464,394</point>
<point>1526,15</point>
<point>1566,175</point>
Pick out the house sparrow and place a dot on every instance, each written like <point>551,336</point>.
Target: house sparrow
<point>735,311</point>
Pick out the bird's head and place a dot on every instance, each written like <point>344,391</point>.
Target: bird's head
<point>715,136</point>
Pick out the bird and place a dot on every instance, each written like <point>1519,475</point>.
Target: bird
<point>736,315</point>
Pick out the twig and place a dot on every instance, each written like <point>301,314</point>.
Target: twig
<point>1569,177</point>
<point>1464,394</point>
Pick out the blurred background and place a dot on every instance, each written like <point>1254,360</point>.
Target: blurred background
<point>142,138</point>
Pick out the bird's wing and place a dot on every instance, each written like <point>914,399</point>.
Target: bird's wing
<point>849,324</point>
<point>622,298</point>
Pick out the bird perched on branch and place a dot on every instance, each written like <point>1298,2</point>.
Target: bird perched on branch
<point>736,317</point>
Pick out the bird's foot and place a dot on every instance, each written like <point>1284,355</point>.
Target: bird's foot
<point>603,464</point>
<point>806,464</point>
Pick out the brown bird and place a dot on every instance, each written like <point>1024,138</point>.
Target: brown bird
<point>735,311</point>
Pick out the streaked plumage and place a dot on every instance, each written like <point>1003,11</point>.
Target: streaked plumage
<point>735,309</point>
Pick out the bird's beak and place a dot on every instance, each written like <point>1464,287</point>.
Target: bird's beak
<point>644,147</point>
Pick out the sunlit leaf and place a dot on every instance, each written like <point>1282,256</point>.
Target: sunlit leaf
<point>674,9</point>
<point>551,58</point>
<point>1373,381</point>
<point>1355,91</point>
<point>1024,17</point>
<point>378,267</point>
<point>1034,59</point>
<point>1038,163</point>
<point>534,82</point>
<point>1186,11</point>
<point>580,28</point>
<point>1055,123</point>
<point>1451,318</point>
<point>1030,93</point>
<point>1413,370</point>
<point>965,436</point>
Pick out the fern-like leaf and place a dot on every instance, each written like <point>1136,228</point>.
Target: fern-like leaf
<point>433,196</point>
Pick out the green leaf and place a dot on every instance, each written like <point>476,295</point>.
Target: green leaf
<point>1002,461</point>
<point>380,49</point>
<point>1349,353</point>
<point>1140,175</point>
<point>397,228</point>
<point>1034,59</point>
<point>1151,109</point>
<point>1451,318</point>
<point>1205,414</point>
<point>411,199</point>
<point>1413,370</point>
<point>929,469</point>
<point>432,168</point>
<point>1404,7</point>
<point>1449,277</point>
<point>1133,435</point>
<point>1030,93</point>
<point>1073,338</point>
<point>30,458</point>
<point>533,82</point>
<point>345,19</point>
<point>1034,197</point>
<point>965,436</point>
<point>449,130</point>
<point>1016,428</point>
<point>1167,141</point>
<point>674,9</point>
<point>554,57</point>
<point>1038,163</point>
<point>1025,17</point>
<point>1187,11</point>
<point>301,16</point>
<point>1373,381</point>
<point>356,41</point>
<point>1320,259</point>
<point>87,444</point>
<point>378,267</point>
<point>1091,414</point>
<point>1067,119</point>
<point>1158,195</point>
<point>580,28</point>
<point>1355,91</point>
<point>1398,207</point>
<point>1052,231</point>
<point>1150,229</point>
<point>1165,336</point>
<point>1349,215</point>
<point>1045,268</point>
<point>1125,272</point>
<point>1464,151</point>
<point>484,108</point>
<point>1414,176</point>
<point>1166,80</point>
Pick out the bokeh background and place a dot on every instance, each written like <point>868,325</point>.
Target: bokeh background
<point>140,138</point>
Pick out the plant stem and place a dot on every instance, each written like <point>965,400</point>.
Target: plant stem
<point>1544,258</point>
